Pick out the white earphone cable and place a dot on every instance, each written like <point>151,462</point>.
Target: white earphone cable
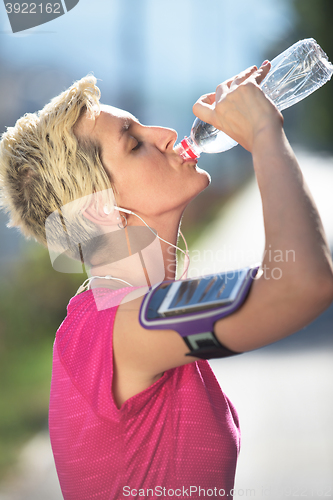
<point>86,284</point>
<point>186,253</point>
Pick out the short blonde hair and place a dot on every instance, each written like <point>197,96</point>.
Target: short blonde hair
<point>44,166</point>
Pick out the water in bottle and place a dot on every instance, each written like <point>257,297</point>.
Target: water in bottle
<point>294,74</point>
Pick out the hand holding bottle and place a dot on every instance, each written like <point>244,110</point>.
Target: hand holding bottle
<point>295,73</point>
<point>239,107</point>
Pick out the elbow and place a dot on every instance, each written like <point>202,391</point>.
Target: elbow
<point>325,284</point>
<point>318,294</point>
<point>326,290</point>
<point>322,281</point>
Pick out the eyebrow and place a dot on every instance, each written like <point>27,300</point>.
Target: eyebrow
<point>126,126</point>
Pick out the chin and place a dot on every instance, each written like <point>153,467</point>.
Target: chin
<point>205,175</point>
<point>203,180</point>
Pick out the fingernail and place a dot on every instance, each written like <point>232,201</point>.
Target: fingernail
<point>265,62</point>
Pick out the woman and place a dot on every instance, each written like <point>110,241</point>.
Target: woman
<point>130,414</point>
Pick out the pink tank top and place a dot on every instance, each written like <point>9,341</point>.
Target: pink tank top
<point>179,437</point>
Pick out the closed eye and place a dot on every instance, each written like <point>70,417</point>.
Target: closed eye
<point>138,146</point>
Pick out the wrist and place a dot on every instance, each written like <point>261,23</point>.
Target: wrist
<point>268,136</point>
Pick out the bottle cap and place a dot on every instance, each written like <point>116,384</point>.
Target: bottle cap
<point>186,150</point>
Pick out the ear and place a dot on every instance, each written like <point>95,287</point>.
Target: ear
<point>102,215</point>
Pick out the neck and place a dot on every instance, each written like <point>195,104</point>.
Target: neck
<point>146,259</point>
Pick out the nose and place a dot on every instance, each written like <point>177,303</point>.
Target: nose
<point>164,138</point>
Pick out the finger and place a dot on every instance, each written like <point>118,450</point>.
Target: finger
<point>204,107</point>
<point>248,71</point>
<point>262,71</point>
<point>221,89</point>
<point>208,98</point>
<point>238,79</point>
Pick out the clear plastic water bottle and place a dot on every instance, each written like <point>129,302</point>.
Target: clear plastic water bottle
<point>294,74</point>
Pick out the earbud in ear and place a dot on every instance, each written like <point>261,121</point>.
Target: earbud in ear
<point>107,210</point>
<point>125,210</point>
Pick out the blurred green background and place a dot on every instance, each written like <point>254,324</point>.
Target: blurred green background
<point>154,58</point>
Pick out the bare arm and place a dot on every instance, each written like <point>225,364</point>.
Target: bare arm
<point>298,287</point>
<point>301,285</point>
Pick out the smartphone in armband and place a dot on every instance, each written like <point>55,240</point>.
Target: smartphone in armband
<point>191,307</point>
